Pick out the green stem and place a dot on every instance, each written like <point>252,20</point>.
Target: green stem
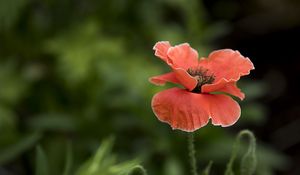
<point>138,168</point>
<point>236,147</point>
<point>192,152</point>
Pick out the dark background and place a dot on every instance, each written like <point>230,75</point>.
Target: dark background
<point>74,74</point>
<point>268,32</point>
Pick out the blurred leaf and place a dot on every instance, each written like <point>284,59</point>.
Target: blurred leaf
<point>253,90</point>
<point>7,120</point>
<point>9,12</point>
<point>207,168</point>
<point>125,168</point>
<point>270,161</point>
<point>13,151</point>
<point>173,166</point>
<point>254,113</point>
<point>53,122</point>
<point>69,159</point>
<point>8,127</point>
<point>104,163</point>
<point>215,31</point>
<point>41,163</point>
<point>12,84</point>
<point>79,51</point>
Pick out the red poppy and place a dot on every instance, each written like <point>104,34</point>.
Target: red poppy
<point>191,107</point>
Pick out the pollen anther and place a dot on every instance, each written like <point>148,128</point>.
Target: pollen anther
<point>202,76</point>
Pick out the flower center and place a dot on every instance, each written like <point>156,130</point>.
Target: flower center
<point>202,76</point>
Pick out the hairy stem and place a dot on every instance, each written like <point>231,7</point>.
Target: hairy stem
<point>192,152</point>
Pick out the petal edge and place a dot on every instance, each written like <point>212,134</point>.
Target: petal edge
<point>223,85</point>
<point>182,56</point>
<point>227,64</point>
<point>188,111</point>
<point>161,80</point>
<point>224,111</point>
<point>161,48</point>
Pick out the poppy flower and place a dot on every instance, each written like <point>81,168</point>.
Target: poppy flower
<point>190,108</point>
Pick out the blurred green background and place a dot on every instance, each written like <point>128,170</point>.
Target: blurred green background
<point>74,74</point>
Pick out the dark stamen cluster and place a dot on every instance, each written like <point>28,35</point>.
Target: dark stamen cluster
<point>202,77</point>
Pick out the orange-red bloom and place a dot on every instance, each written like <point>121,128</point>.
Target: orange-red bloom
<point>191,108</point>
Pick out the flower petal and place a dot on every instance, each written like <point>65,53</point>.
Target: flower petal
<point>162,79</point>
<point>227,64</point>
<point>181,109</point>
<point>189,111</point>
<point>231,88</point>
<point>223,109</point>
<point>185,78</point>
<point>161,48</point>
<point>224,86</point>
<point>182,56</point>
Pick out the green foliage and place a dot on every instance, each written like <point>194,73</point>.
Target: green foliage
<point>10,11</point>
<point>11,152</point>
<point>104,163</point>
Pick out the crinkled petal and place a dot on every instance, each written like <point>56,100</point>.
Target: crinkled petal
<point>162,79</point>
<point>161,48</point>
<point>179,58</point>
<point>188,111</point>
<point>227,64</point>
<point>224,86</point>
<point>182,56</point>
<point>185,78</point>
<point>181,109</point>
